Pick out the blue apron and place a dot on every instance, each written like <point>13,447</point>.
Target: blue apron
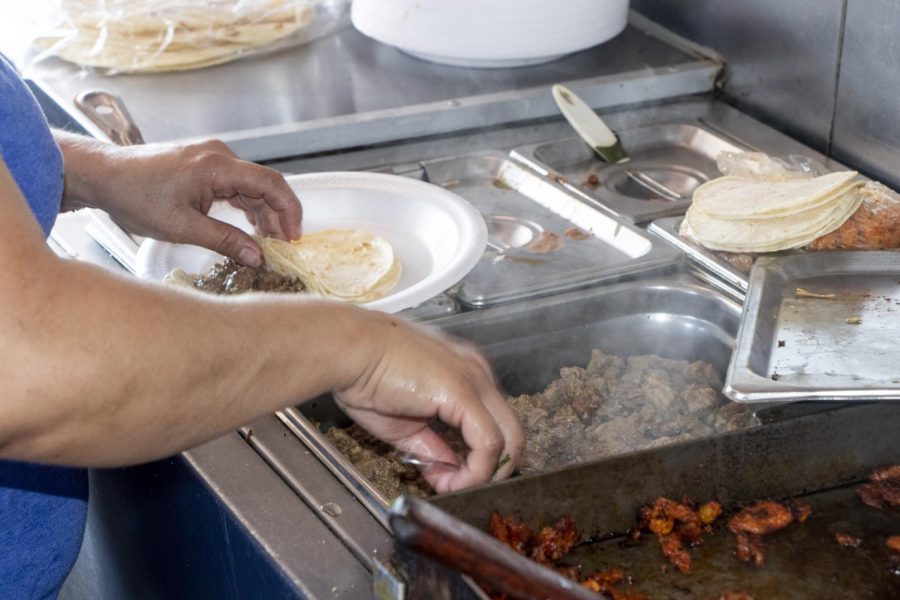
<point>42,509</point>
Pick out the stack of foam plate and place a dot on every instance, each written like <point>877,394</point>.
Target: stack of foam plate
<point>490,33</point>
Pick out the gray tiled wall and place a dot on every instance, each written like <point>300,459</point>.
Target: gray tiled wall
<point>824,71</point>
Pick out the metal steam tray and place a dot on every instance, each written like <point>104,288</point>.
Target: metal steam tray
<point>668,162</point>
<point>542,239</point>
<point>840,346</point>
<point>820,457</point>
<point>529,342</point>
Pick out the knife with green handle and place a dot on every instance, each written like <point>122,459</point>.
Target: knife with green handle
<point>589,126</point>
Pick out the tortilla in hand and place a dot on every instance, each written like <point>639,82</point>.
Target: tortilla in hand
<point>350,264</point>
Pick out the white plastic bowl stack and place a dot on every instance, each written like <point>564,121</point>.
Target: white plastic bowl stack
<point>490,33</point>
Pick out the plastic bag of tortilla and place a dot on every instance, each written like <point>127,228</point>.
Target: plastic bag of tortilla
<point>762,167</point>
<point>153,36</point>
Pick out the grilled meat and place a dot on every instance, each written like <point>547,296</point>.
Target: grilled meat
<point>230,277</point>
<point>372,457</point>
<point>673,549</point>
<point>549,546</point>
<point>891,473</point>
<point>749,547</point>
<point>510,531</point>
<point>883,488</point>
<point>709,512</point>
<point>615,405</point>
<point>799,510</point>
<point>603,580</point>
<point>676,523</point>
<point>761,518</point>
<point>552,543</point>
<point>874,226</point>
<point>661,518</point>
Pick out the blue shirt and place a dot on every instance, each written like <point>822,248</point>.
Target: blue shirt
<point>42,509</point>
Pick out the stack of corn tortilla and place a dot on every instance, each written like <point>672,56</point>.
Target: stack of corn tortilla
<point>170,35</point>
<point>742,215</point>
<point>350,264</point>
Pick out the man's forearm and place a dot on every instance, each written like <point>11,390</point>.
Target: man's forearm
<point>120,373</point>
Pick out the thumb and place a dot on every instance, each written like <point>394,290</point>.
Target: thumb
<point>224,239</point>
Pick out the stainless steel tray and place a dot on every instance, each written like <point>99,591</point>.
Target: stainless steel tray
<point>439,306</point>
<point>667,229</point>
<point>520,206</point>
<point>794,347</point>
<point>668,161</point>
<point>527,344</point>
<point>711,267</point>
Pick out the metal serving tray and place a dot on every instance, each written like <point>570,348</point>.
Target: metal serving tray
<point>520,207</point>
<point>667,229</point>
<point>527,344</point>
<point>668,161</point>
<point>818,457</point>
<point>841,347</point>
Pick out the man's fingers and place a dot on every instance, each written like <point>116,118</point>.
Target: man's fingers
<point>481,433</point>
<point>250,187</point>
<point>224,239</point>
<point>496,404</point>
<point>508,423</point>
<point>269,224</point>
<point>427,445</point>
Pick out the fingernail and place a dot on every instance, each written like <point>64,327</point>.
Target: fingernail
<point>249,257</point>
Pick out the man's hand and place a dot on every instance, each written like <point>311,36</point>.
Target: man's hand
<point>166,191</point>
<point>407,376</point>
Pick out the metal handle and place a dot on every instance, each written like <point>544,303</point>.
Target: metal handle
<point>429,530</point>
<point>108,112</point>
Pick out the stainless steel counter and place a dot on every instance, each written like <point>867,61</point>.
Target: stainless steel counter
<point>346,90</point>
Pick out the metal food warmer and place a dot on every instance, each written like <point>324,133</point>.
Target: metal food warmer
<point>275,510</point>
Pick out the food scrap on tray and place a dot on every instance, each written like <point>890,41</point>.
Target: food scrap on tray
<point>549,546</point>
<point>577,234</point>
<point>350,264</point>
<point>801,293</point>
<point>546,242</point>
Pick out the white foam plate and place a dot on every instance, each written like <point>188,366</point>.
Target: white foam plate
<point>490,33</point>
<point>437,235</point>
